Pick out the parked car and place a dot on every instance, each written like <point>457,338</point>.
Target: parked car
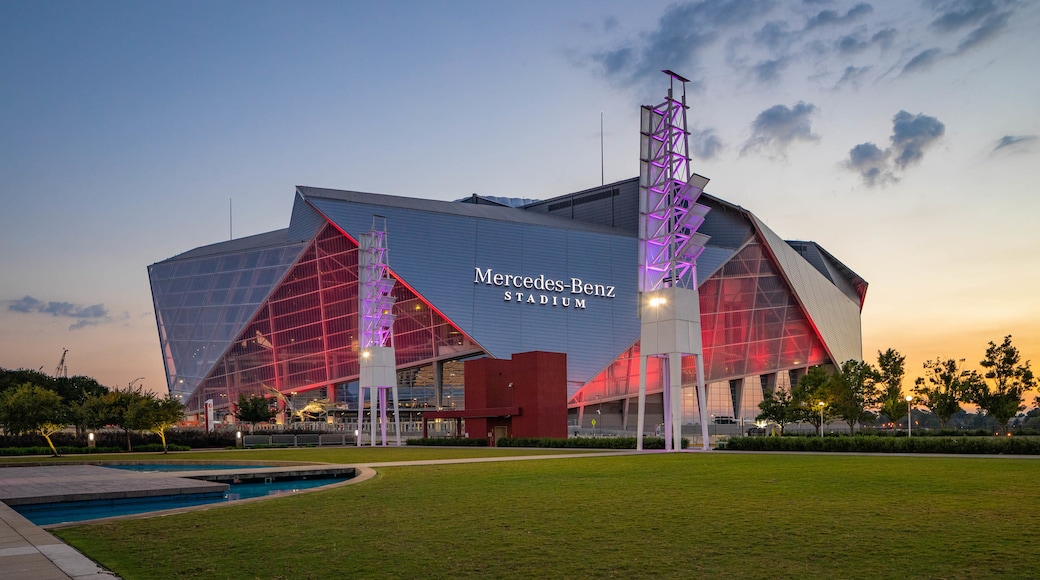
<point>753,431</point>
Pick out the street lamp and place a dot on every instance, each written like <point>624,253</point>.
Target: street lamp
<point>909,407</point>
<point>821,418</point>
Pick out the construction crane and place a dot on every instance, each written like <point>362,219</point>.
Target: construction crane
<point>61,370</point>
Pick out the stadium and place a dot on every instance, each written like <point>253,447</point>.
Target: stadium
<point>277,314</point>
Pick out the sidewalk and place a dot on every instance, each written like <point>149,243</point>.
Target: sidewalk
<point>30,553</point>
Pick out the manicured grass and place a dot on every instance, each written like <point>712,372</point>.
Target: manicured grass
<point>306,454</point>
<point>687,515</point>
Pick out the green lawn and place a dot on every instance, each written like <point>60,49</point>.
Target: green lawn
<point>687,515</point>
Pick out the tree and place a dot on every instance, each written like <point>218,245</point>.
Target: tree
<point>75,391</point>
<point>852,391</point>
<point>12,379</point>
<point>778,408</point>
<point>1011,379</point>
<point>32,409</point>
<point>944,387</point>
<point>253,409</point>
<point>892,403</point>
<point>809,398</point>
<point>122,408</point>
<point>151,413</point>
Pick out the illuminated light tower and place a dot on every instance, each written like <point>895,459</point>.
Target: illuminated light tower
<point>376,335</point>
<point>669,245</point>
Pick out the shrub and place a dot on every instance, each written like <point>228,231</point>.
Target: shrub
<point>586,442</point>
<point>148,447</point>
<point>63,450</point>
<point>873,444</point>
<point>448,441</point>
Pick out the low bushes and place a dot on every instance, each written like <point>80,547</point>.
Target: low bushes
<point>62,450</point>
<point>586,442</point>
<point>449,441</point>
<point>874,444</point>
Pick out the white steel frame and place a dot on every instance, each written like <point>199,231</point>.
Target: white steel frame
<point>669,246</point>
<point>376,333</point>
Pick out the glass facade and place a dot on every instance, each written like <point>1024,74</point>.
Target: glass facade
<point>751,327</point>
<point>303,337</point>
<point>201,304</point>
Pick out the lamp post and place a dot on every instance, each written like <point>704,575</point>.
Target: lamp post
<point>821,418</point>
<point>909,407</point>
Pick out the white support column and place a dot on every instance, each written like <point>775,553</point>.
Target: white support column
<point>360,415</point>
<point>702,402</point>
<point>397,414</point>
<point>374,412</point>
<point>666,403</point>
<point>382,416</point>
<point>675,388</point>
<point>641,416</point>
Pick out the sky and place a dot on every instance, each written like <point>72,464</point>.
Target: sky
<point>902,136</point>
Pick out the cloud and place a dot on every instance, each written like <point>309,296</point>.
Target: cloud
<point>884,38</point>
<point>871,163</point>
<point>705,144</point>
<point>957,14</point>
<point>852,75</point>
<point>832,17</point>
<point>988,30</point>
<point>911,136</point>
<point>779,126</point>
<point>1014,142</point>
<point>774,35</point>
<point>923,61</point>
<point>769,70</point>
<point>854,44</point>
<point>986,18</point>
<point>684,32</point>
<point>851,44</point>
<point>88,315</point>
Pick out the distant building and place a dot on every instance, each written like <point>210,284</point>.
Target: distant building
<point>482,278</point>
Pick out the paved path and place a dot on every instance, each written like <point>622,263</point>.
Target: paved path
<point>30,553</point>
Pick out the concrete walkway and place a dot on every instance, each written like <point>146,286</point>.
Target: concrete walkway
<point>29,553</point>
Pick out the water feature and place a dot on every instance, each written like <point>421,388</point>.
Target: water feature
<point>77,511</point>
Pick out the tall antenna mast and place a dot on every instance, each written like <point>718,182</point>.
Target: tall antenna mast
<point>231,218</point>
<point>669,244</point>
<point>602,179</point>
<point>376,332</point>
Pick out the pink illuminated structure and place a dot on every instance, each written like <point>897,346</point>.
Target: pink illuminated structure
<point>376,333</point>
<point>669,244</point>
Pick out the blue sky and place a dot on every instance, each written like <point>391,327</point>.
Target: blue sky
<point>900,135</point>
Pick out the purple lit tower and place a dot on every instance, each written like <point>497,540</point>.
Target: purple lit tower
<point>376,332</point>
<point>669,244</point>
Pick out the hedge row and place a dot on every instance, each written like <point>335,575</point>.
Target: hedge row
<point>448,441</point>
<point>586,442</point>
<point>193,438</point>
<point>62,450</point>
<point>874,444</point>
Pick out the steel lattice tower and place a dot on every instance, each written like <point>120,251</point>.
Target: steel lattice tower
<point>376,331</point>
<point>669,245</point>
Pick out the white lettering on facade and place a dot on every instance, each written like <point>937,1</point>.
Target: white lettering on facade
<point>541,283</point>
